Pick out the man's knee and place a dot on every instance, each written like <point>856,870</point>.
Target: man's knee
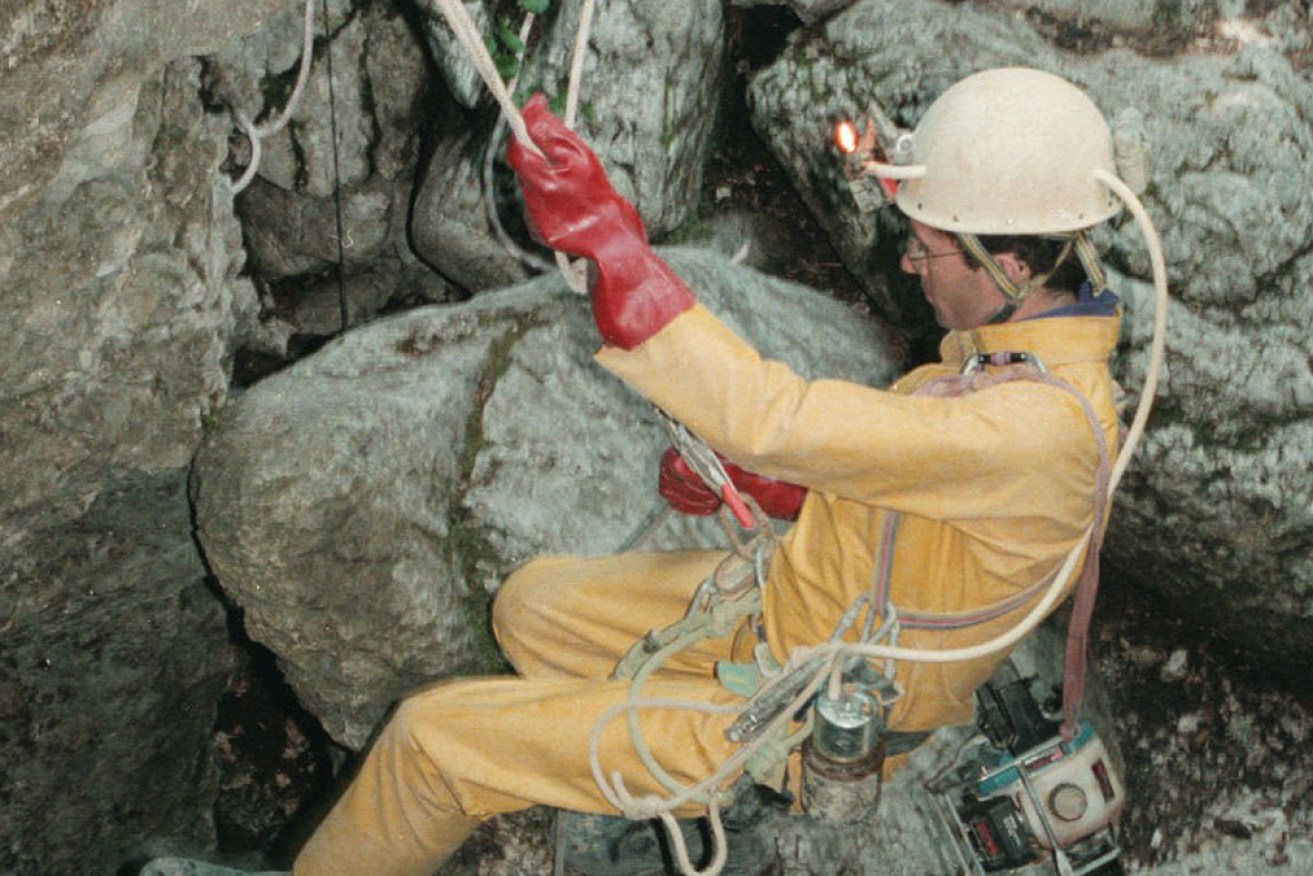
<point>422,719</point>
<point>401,731</point>
<point>507,604</point>
<point>515,601</point>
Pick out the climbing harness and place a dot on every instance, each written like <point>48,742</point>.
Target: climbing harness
<point>849,698</point>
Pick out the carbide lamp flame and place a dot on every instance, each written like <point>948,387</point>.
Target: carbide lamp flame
<point>845,136</point>
<point>861,149</point>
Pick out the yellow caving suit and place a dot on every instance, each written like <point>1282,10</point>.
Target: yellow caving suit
<point>994,489</point>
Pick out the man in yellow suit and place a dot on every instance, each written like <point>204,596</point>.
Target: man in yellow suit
<point>991,488</point>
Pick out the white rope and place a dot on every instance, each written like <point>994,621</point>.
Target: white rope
<point>494,143</point>
<point>832,654</point>
<point>467,33</point>
<point>256,134</point>
<point>676,835</point>
<point>1157,348</point>
<point>576,274</point>
<point>577,62</point>
<point>838,652</point>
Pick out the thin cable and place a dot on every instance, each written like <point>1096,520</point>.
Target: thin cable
<point>337,174</point>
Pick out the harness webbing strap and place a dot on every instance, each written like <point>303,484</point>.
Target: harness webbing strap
<point>1086,587</point>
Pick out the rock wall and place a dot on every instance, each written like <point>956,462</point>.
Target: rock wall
<point>135,285</point>
<point>119,259</point>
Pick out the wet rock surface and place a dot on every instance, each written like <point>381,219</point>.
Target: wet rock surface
<point>1214,743</point>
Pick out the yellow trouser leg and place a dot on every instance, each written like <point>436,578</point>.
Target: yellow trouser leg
<point>395,817</point>
<point>572,617</point>
<point>463,750</point>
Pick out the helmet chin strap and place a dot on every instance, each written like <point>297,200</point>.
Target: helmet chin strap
<point>1014,294</point>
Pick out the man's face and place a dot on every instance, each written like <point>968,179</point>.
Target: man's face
<point>961,295</point>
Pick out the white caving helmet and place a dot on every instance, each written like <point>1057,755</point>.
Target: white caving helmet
<point>1010,151</point>
<point>1013,150</point>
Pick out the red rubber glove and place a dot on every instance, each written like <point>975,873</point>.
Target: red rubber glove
<point>688,494</point>
<point>572,207</point>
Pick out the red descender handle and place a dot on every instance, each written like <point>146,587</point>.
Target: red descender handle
<point>737,506</point>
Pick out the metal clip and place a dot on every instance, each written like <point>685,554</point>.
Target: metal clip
<point>1000,360</point>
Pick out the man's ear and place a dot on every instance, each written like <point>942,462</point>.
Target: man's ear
<point>1016,268</point>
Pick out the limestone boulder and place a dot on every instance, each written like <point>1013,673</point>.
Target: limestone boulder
<point>121,305</point>
<point>362,505</point>
<point>807,10</point>
<point>454,64</point>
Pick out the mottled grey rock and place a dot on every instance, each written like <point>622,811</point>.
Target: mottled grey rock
<point>61,56</point>
<point>651,82</point>
<point>807,10</point>
<point>114,656</point>
<point>1130,15</point>
<point>120,305</point>
<point>304,187</point>
<point>363,504</point>
<point>127,259</point>
<point>450,227</point>
<point>1219,493</point>
<point>255,76</point>
<point>191,867</point>
<point>453,62</point>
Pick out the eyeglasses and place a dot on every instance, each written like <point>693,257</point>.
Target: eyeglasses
<point>916,251</point>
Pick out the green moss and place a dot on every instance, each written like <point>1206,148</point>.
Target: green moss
<point>1167,13</point>
<point>469,545</point>
<point>469,552</point>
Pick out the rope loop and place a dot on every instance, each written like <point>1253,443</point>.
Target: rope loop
<point>255,133</point>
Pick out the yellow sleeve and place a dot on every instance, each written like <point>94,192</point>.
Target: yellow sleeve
<point>998,452</point>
